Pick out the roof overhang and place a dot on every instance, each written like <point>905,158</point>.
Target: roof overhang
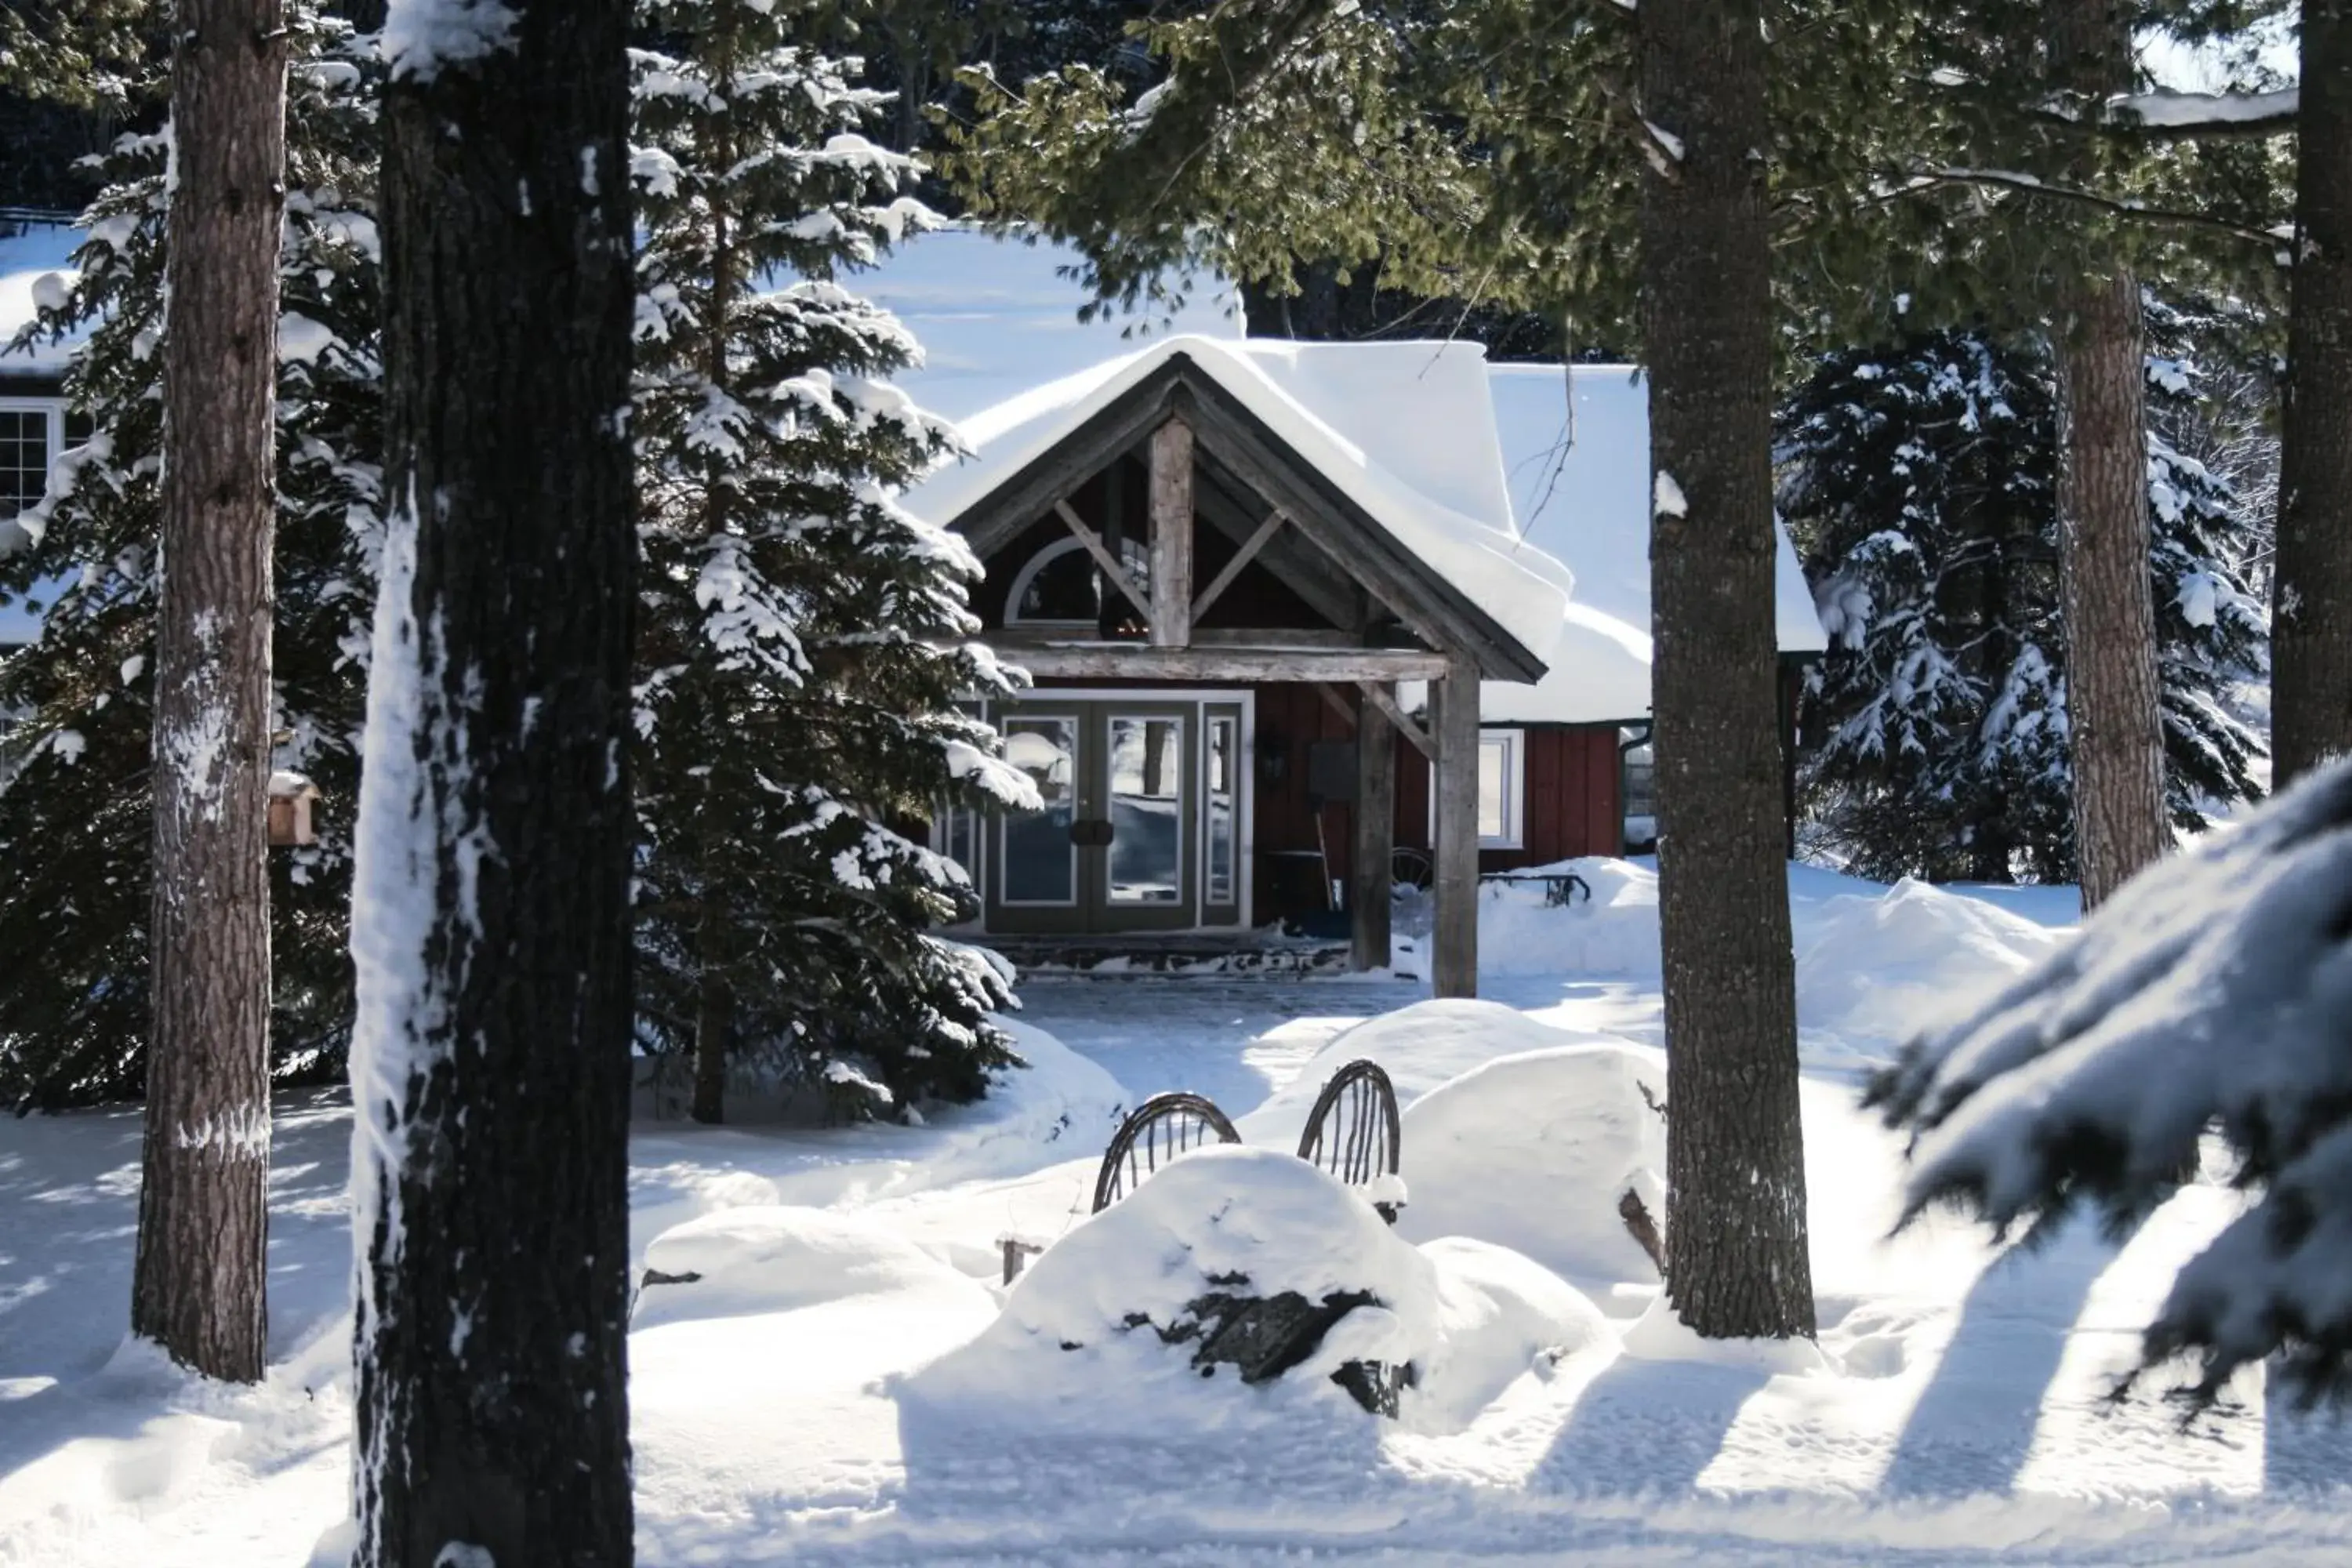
<point>1422,597</point>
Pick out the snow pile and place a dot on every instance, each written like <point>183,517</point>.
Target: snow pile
<point>1884,967</point>
<point>772,1259</point>
<point>1103,1327</point>
<point>1500,1315</point>
<point>1102,1331</point>
<point>1060,1105</point>
<point>1660,1334</point>
<point>1420,1047</point>
<point>1574,1124</point>
<point>1614,934</point>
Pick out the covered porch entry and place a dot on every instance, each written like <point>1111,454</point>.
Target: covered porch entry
<point>1176,557</point>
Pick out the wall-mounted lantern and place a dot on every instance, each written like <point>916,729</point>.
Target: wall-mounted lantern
<point>290,795</point>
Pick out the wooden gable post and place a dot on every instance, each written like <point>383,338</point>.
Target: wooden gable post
<point>1370,865</point>
<point>1172,535</point>
<point>1454,972</point>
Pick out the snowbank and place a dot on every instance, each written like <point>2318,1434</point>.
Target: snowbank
<point>1420,1047</point>
<point>772,1259</point>
<point>1613,935</point>
<point>1569,1122</point>
<point>1500,1316</point>
<point>1060,1105</point>
<point>1885,967</point>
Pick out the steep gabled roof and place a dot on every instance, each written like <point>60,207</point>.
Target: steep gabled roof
<point>1397,440</point>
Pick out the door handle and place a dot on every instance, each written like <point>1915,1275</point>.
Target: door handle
<point>1091,832</point>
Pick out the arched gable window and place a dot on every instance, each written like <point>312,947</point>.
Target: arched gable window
<point>1056,587</point>
<point>1059,586</point>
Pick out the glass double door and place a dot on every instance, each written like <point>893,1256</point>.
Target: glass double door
<point>1139,829</point>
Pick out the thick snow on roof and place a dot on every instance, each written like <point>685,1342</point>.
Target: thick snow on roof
<point>1405,429</point>
<point>997,316</point>
<point>34,263</point>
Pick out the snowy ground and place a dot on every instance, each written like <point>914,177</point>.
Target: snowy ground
<point>844,1386</point>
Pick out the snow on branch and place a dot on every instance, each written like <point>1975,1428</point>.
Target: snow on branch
<point>422,36</point>
<point>2188,115</point>
<point>2213,991</point>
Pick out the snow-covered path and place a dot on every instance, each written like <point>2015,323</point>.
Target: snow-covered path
<point>824,1414</point>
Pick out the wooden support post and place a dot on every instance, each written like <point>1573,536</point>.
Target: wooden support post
<point>1455,971</point>
<point>1172,535</point>
<point>1371,864</point>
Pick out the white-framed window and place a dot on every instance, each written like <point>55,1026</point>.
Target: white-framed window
<point>1502,791</point>
<point>1640,791</point>
<point>32,436</point>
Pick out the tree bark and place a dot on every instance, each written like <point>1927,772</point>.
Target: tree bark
<point>2114,720</point>
<point>199,1287</point>
<point>2311,623</point>
<point>1738,1265</point>
<point>491,1061</point>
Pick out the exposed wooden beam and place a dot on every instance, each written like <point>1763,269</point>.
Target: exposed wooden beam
<point>1371,863</point>
<point>1382,698</point>
<point>995,519</point>
<point>1454,972</point>
<point>1232,569</point>
<point>1272,636</point>
<point>1439,611</point>
<point>1103,557</point>
<point>1172,535</point>
<point>1333,701</point>
<point>1301,566</point>
<point>1137,661</point>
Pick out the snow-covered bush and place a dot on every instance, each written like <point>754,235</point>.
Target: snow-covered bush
<point>1919,482</point>
<point>2211,994</point>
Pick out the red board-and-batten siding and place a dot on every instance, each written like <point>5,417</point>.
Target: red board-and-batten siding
<point>1570,779</point>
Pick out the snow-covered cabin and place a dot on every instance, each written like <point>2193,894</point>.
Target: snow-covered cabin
<point>1222,558</point>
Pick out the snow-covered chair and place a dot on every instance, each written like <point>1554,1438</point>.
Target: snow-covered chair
<point>1355,1134</point>
<point>1155,1132</point>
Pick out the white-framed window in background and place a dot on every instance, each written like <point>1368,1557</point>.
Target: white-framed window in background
<point>1502,791</point>
<point>32,436</point>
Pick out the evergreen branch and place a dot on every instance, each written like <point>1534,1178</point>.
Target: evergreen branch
<point>2138,212</point>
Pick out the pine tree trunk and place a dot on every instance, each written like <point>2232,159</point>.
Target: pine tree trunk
<point>2311,628</point>
<point>1736,1177</point>
<point>2113,716</point>
<point>198,1288</point>
<point>491,1062</point>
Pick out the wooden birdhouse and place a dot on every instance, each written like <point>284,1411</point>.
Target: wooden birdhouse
<point>290,795</point>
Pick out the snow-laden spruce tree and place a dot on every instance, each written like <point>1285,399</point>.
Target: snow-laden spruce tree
<point>76,816</point>
<point>1919,481</point>
<point>802,641</point>
<point>2211,997</point>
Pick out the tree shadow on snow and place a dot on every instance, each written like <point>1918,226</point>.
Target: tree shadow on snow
<point>1973,1429</point>
<point>1646,1428</point>
<point>1029,1468</point>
